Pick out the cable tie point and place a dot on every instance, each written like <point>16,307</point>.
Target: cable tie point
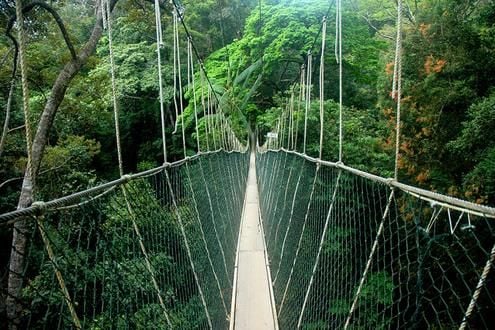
<point>126,177</point>
<point>40,207</point>
<point>391,181</point>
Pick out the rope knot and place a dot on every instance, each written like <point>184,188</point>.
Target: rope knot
<point>40,207</point>
<point>126,177</point>
<point>391,181</point>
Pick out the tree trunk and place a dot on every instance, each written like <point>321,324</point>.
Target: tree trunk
<point>19,238</point>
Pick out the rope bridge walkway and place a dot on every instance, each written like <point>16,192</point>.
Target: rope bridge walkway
<point>345,249</point>
<point>322,245</point>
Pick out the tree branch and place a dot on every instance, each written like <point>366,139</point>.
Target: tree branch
<point>41,172</point>
<point>410,14</point>
<point>55,15</point>
<point>367,19</point>
<point>16,128</point>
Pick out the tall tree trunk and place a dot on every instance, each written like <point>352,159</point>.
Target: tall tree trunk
<point>21,228</point>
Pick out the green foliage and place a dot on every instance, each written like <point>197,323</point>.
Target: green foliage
<point>363,133</point>
<point>376,295</point>
<point>67,167</point>
<point>476,155</point>
<point>447,68</point>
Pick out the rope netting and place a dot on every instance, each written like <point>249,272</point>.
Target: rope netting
<point>351,251</point>
<point>155,250</point>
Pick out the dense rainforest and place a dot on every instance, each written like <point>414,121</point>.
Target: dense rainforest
<point>253,62</point>
<point>252,52</point>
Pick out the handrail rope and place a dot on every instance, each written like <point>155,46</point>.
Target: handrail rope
<point>9,218</point>
<point>321,82</point>
<point>188,249</point>
<point>159,44</point>
<point>370,260</point>
<point>89,200</point>
<point>320,247</point>
<point>423,194</point>
<point>398,82</point>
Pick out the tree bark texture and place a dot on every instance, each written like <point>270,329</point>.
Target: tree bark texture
<point>21,228</point>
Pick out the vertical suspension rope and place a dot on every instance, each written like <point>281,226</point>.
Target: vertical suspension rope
<point>322,80</point>
<point>25,87</point>
<point>107,12</point>
<point>291,114</point>
<point>397,85</point>
<point>174,50</point>
<point>282,128</point>
<point>211,119</point>
<point>287,109</point>
<point>177,16</point>
<point>159,44</point>
<point>308,97</point>
<point>300,99</point>
<point>339,41</point>
<point>195,105</point>
<point>203,106</point>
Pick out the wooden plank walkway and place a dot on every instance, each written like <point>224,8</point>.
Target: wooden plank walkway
<point>252,303</point>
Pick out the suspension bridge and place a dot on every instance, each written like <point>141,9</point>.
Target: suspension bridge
<point>250,236</point>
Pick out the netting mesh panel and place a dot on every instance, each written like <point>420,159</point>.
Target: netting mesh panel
<point>117,254</point>
<point>387,259</point>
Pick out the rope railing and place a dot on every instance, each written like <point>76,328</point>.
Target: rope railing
<point>362,251</point>
<point>158,252</point>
